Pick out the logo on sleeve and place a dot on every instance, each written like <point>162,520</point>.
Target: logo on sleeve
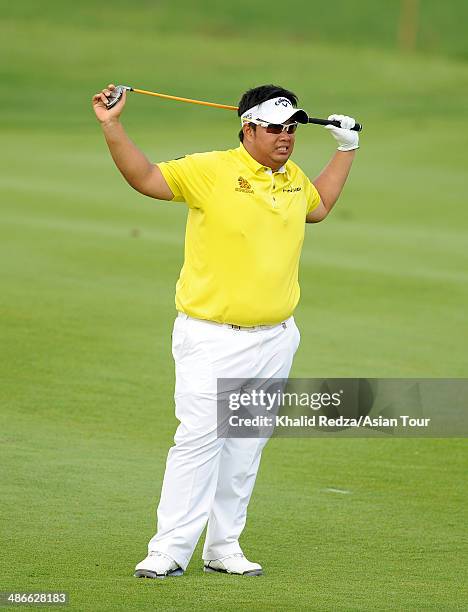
<point>244,185</point>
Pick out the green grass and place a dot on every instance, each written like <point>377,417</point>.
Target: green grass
<point>441,26</point>
<point>88,272</point>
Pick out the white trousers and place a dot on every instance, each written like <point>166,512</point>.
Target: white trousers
<point>210,479</point>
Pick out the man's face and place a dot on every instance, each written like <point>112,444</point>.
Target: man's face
<point>271,150</point>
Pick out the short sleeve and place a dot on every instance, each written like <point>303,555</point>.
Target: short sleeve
<point>191,178</point>
<point>312,195</point>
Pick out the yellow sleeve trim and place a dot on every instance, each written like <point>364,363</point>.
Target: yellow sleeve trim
<point>314,200</point>
<point>166,172</point>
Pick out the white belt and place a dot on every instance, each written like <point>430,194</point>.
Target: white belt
<point>236,327</point>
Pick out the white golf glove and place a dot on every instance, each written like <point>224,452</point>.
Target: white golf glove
<point>346,138</point>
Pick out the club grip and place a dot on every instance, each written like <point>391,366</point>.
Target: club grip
<point>356,128</point>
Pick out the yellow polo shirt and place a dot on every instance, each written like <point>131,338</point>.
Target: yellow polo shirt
<point>244,235</point>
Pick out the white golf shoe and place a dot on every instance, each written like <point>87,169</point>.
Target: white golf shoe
<point>157,565</point>
<point>234,564</point>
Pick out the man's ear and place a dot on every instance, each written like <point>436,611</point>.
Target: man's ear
<point>249,131</point>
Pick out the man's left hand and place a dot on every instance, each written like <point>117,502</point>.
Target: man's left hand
<point>347,139</point>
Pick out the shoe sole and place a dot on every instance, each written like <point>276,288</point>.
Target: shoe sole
<point>142,573</point>
<point>212,570</point>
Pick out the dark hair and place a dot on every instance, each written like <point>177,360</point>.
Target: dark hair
<point>260,94</point>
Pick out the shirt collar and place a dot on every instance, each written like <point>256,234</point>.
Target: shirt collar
<point>254,165</point>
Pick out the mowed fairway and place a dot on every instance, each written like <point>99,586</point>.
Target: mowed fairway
<point>88,271</point>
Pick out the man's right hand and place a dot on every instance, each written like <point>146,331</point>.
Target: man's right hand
<point>103,114</point>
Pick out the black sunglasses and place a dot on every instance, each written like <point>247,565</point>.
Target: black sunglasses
<point>277,128</point>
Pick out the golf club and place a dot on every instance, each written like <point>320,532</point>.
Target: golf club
<point>117,94</point>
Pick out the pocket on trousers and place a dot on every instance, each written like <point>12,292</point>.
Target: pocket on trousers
<point>179,334</point>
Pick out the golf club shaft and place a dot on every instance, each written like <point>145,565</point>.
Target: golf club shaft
<point>356,128</point>
<point>168,97</point>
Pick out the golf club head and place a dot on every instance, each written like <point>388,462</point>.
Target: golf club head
<point>116,94</point>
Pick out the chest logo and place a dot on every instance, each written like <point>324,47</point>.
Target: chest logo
<point>291,189</point>
<point>244,185</point>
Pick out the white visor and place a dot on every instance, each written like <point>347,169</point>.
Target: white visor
<point>277,110</point>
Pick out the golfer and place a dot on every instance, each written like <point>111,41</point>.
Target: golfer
<point>235,297</point>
